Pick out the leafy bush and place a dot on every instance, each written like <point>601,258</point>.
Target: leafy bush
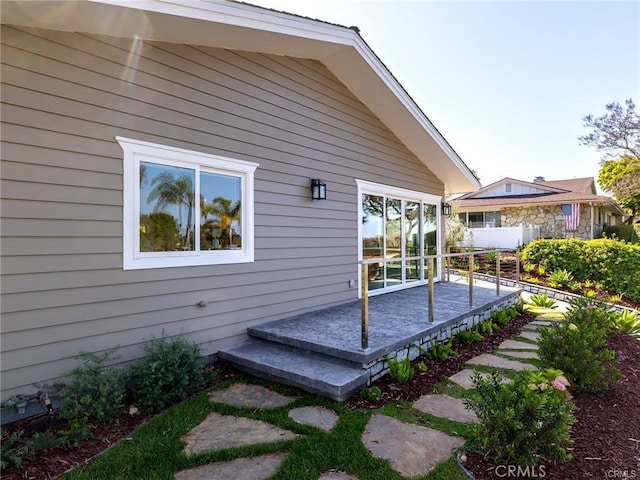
<point>401,370</point>
<point>171,372</point>
<point>543,300</point>
<point>12,451</point>
<point>439,352</point>
<point>485,327</point>
<point>561,277</point>
<point>608,262</point>
<point>628,322</point>
<point>371,393</point>
<point>43,441</point>
<point>468,336</point>
<point>578,348</point>
<point>621,232</point>
<point>96,391</point>
<point>422,367</point>
<point>521,421</point>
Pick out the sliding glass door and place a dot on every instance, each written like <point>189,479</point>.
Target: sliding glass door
<point>398,231</point>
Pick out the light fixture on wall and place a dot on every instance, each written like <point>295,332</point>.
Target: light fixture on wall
<point>446,209</point>
<point>318,189</point>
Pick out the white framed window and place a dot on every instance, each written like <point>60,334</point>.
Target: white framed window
<point>185,208</point>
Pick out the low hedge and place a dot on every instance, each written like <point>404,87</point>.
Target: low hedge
<point>622,232</point>
<point>614,264</point>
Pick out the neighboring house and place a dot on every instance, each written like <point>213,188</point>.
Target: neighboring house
<point>157,160</point>
<point>559,208</point>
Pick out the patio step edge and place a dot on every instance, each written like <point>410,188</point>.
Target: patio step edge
<point>310,372</point>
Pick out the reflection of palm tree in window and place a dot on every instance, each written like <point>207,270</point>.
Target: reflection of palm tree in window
<point>169,190</point>
<point>226,213</point>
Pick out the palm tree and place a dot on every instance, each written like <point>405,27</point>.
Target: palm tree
<point>226,212</point>
<point>169,190</point>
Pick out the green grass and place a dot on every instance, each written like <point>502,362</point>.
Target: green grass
<point>155,450</point>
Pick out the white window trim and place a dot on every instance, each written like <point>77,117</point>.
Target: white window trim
<point>136,151</point>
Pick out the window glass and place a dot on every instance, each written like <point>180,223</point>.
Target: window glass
<point>492,219</point>
<point>220,212</point>
<point>166,208</point>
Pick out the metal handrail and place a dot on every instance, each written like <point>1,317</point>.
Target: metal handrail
<point>364,289</point>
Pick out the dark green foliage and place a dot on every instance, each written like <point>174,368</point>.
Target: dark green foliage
<point>171,372</point>
<point>485,327</point>
<point>561,277</point>
<point>77,432</point>
<point>371,393</point>
<point>543,300</point>
<point>615,265</point>
<point>400,370</point>
<point>95,391</point>
<point>520,421</point>
<point>505,315</point>
<point>12,450</point>
<point>468,336</point>
<point>578,348</point>
<point>621,232</point>
<point>43,441</point>
<point>439,352</point>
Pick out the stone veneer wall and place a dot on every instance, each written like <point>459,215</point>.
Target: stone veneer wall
<point>549,218</point>
<point>379,367</point>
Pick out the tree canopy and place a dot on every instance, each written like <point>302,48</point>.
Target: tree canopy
<point>617,134</point>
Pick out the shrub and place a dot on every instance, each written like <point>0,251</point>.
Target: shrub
<point>439,352</point>
<point>171,372</point>
<point>561,277</point>
<point>607,262</point>
<point>468,336</point>
<point>485,327</point>
<point>371,393</point>
<point>578,348</point>
<point>543,300</point>
<point>422,367</point>
<point>621,232</point>
<point>95,391</point>
<point>521,421</point>
<point>401,370</point>
<point>628,322</point>
<point>12,451</point>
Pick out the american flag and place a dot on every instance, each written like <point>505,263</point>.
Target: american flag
<point>571,212</point>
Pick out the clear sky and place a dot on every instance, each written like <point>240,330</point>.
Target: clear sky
<point>506,82</point>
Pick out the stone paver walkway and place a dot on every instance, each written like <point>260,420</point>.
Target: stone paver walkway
<point>516,345</point>
<point>254,468</point>
<point>529,355</point>
<point>218,432</point>
<point>446,407</point>
<point>533,336</point>
<point>254,396</point>
<point>489,360</point>
<point>319,417</point>
<point>411,449</point>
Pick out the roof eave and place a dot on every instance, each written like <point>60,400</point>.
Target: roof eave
<point>245,27</point>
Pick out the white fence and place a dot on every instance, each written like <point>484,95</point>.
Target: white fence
<point>502,237</point>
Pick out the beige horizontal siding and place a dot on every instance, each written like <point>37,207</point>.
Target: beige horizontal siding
<point>65,97</point>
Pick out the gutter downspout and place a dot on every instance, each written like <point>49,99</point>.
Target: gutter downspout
<point>591,205</point>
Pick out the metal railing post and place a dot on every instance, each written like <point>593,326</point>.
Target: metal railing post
<point>364,290</point>
<point>517,269</point>
<point>431,296</point>
<point>498,272</point>
<point>471,279</point>
<point>448,260</point>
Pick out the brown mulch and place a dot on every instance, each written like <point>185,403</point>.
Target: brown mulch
<point>606,435</point>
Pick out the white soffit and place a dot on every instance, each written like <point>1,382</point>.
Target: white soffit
<point>238,26</point>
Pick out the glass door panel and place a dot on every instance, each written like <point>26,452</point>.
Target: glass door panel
<point>412,227</point>
<point>430,229</point>
<point>372,237</point>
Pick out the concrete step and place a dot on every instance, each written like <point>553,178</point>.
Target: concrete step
<point>308,371</point>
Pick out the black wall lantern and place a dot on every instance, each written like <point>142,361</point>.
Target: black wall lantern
<point>446,209</point>
<point>318,189</point>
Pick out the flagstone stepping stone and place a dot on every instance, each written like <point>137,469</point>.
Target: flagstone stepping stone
<point>254,396</point>
<point>535,336</point>
<point>319,417</point>
<point>525,355</point>
<point>516,345</point>
<point>542,323</point>
<point>446,407</point>
<point>218,432</point>
<point>489,360</point>
<point>411,449</point>
<point>335,475</point>
<point>463,378</point>
<point>253,468</point>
